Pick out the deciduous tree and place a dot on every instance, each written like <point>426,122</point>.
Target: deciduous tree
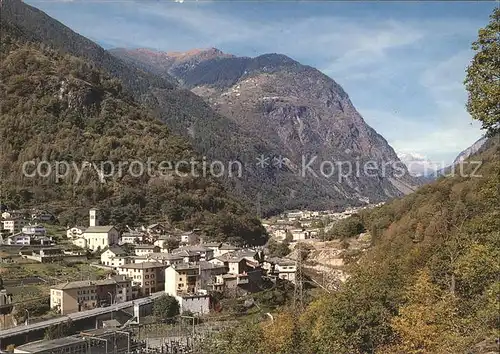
<point>483,76</point>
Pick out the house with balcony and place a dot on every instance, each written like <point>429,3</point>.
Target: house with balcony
<point>88,294</point>
<point>145,249</point>
<point>148,277</point>
<point>183,278</point>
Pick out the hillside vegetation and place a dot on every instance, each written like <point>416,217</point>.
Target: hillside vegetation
<point>213,135</point>
<point>58,107</point>
<point>429,283</point>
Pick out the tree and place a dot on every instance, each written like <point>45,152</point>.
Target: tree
<point>277,249</point>
<point>172,243</point>
<point>278,334</point>
<point>483,75</point>
<point>346,228</point>
<point>427,323</point>
<point>166,307</point>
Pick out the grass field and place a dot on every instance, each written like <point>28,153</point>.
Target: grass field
<point>51,273</point>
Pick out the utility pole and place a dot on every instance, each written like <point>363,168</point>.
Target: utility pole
<point>259,210</point>
<point>298,295</point>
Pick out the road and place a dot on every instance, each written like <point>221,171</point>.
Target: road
<point>77,316</point>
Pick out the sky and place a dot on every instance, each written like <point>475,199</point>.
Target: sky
<point>401,62</point>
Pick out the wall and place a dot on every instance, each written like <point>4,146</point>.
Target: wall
<point>199,304</point>
<point>171,280</point>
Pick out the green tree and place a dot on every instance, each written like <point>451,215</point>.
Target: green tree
<point>427,323</point>
<point>277,249</point>
<point>166,307</point>
<point>483,75</point>
<point>172,243</point>
<point>346,228</point>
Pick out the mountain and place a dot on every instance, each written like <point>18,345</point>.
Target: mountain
<point>418,165</point>
<point>297,111</point>
<point>320,121</point>
<point>471,150</point>
<point>68,131</point>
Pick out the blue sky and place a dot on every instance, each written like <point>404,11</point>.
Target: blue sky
<point>402,63</point>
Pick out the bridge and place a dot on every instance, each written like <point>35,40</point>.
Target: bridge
<point>34,331</point>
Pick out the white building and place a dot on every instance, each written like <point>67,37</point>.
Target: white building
<point>286,269</point>
<point>14,225</point>
<point>132,237</point>
<point>300,234</point>
<point>75,231</point>
<point>18,239</point>
<point>38,230</point>
<point>114,257</point>
<point>25,239</point>
<point>98,237</point>
<point>197,303</point>
<point>142,250</point>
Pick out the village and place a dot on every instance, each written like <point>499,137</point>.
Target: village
<point>154,258</point>
<point>141,262</point>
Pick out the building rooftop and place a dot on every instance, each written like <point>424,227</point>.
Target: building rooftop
<point>162,256</point>
<point>237,256</point>
<point>145,246</point>
<point>76,227</point>
<point>116,250</point>
<point>195,248</point>
<point>280,261</point>
<point>133,234</point>
<point>184,253</point>
<point>99,229</point>
<point>185,266</point>
<point>227,246</point>
<point>87,283</point>
<point>46,346</point>
<point>212,244</point>
<point>143,265</point>
<point>208,265</point>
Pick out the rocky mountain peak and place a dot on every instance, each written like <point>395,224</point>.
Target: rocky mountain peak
<point>299,111</point>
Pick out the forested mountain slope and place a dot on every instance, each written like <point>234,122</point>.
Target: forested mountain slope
<point>57,107</point>
<point>290,106</point>
<point>219,136</point>
<point>429,284</point>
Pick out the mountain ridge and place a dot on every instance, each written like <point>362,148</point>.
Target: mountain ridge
<point>219,136</point>
<point>58,108</point>
<point>293,106</point>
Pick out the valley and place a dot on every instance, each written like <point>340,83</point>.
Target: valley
<point>156,197</point>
